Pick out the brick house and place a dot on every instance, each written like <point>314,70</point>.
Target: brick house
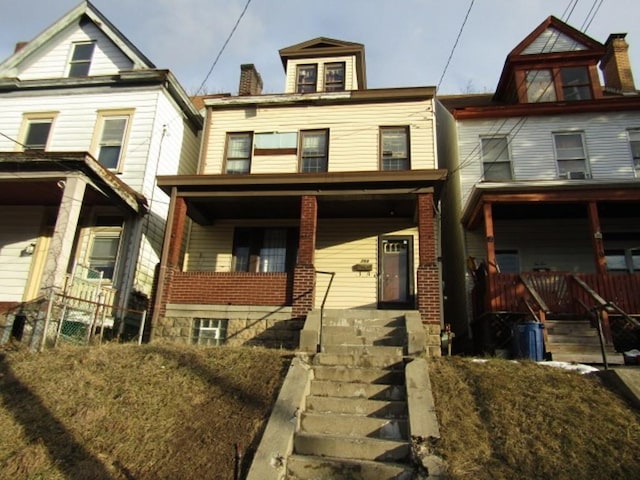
<point>329,177</point>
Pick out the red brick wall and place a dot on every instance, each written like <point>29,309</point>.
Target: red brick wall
<point>429,288</point>
<point>304,273</point>
<point>211,288</point>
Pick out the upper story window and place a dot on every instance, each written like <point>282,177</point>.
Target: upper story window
<point>80,61</point>
<point>496,164</point>
<point>558,84</point>
<point>394,148</point>
<point>110,139</point>
<point>306,78</point>
<point>334,77</point>
<point>314,151</point>
<point>36,131</point>
<point>238,153</point>
<point>634,143</point>
<point>571,156</point>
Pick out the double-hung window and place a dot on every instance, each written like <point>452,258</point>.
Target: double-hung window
<point>80,61</point>
<point>37,128</point>
<point>314,151</point>
<point>394,148</point>
<point>103,254</point>
<point>496,163</point>
<point>257,249</point>
<point>634,144</point>
<point>571,155</point>
<point>576,84</point>
<point>238,153</point>
<point>306,78</point>
<point>334,77</point>
<point>111,138</point>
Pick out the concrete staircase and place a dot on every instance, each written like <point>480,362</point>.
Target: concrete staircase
<point>576,341</point>
<point>355,424</point>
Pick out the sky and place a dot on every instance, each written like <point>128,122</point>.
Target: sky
<point>407,42</point>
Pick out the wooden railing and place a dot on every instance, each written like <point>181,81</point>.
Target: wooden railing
<point>558,292</point>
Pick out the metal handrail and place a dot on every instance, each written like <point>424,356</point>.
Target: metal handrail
<point>326,294</point>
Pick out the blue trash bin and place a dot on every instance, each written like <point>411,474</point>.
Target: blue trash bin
<point>528,341</point>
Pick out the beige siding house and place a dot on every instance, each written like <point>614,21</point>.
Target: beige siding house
<point>324,196</point>
<point>88,122</point>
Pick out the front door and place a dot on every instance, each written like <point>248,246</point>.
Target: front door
<point>395,286</point>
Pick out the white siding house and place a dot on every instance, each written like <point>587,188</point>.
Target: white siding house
<point>81,94</point>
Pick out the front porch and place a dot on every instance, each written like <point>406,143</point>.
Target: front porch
<point>560,255</point>
<point>262,251</point>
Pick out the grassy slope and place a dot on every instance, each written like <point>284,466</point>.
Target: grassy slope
<point>502,420</point>
<point>123,412</point>
<point>165,412</point>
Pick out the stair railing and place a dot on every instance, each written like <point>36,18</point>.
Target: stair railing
<point>324,300</point>
<point>542,310</point>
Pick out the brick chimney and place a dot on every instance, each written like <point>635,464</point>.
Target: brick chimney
<point>250,80</point>
<point>19,46</point>
<point>615,64</point>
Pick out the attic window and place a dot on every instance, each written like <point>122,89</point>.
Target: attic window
<point>306,78</point>
<point>81,59</point>
<point>558,84</point>
<point>334,77</point>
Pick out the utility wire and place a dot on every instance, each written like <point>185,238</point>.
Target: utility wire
<point>244,10</point>
<point>464,22</point>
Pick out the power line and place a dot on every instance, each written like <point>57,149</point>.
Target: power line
<point>224,45</point>
<point>464,22</point>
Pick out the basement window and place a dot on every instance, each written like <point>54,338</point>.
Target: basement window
<point>209,331</point>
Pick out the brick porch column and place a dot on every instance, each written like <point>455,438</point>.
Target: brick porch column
<point>174,231</point>
<point>428,273</point>
<point>304,272</point>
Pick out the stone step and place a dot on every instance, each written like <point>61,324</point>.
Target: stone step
<point>363,350</point>
<point>350,320</point>
<point>615,359</point>
<point>351,447</point>
<point>359,361</point>
<point>577,348</point>
<point>308,467</point>
<point>329,331</point>
<point>346,339</point>
<point>340,373</point>
<point>357,406</point>
<point>328,388</point>
<point>354,425</point>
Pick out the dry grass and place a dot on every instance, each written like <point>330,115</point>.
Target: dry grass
<point>505,420</point>
<point>128,412</point>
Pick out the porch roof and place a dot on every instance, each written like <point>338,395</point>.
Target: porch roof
<point>340,194</point>
<point>559,195</point>
<point>32,178</point>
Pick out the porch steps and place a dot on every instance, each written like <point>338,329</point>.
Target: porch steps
<point>577,341</point>
<point>355,423</point>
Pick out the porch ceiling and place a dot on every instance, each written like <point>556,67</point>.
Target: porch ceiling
<point>621,199</point>
<point>206,210</point>
<point>45,192</point>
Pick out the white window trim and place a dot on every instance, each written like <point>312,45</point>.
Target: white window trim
<point>636,168</point>
<point>103,115</point>
<point>70,56</point>
<point>105,232</point>
<point>587,164</point>
<point>508,150</point>
<point>29,117</point>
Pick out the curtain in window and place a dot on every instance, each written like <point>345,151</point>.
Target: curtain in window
<point>273,253</point>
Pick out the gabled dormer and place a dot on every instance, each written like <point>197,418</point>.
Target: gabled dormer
<point>324,65</point>
<point>554,63</point>
<point>83,43</point>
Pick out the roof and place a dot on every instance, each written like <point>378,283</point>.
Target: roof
<point>88,11</point>
<point>327,47</point>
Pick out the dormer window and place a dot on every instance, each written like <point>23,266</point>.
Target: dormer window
<point>307,77</point>
<point>558,84</point>
<point>334,77</point>
<point>81,59</point>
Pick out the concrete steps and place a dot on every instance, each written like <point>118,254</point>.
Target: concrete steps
<point>576,341</point>
<point>355,421</point>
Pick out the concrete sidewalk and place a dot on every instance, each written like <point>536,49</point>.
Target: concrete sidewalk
<point>625,381</point>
